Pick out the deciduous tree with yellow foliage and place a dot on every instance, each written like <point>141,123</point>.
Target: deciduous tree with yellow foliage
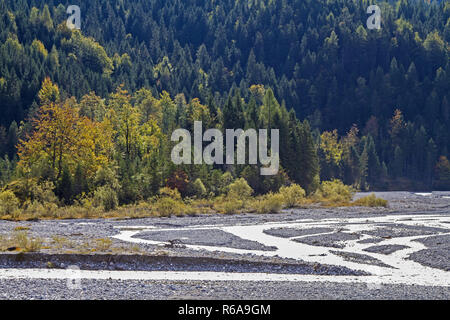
<point>61,137</point>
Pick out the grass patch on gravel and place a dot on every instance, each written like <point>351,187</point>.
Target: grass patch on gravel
<point>20,241</point>
<point>371,201</point>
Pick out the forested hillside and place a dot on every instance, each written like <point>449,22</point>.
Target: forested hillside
<point>369,107</point>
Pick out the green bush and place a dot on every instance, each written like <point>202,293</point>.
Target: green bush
<point>216,183</point>
<point>107,177</point>
<point>8,202</point>
<point>225,180</point>
<point>22,188</point>
<point>198,189</point>
<point>335,192</point>
<point>105,197</point>
<point>270,203</point>
<point>170,193</point>
<point>167,207</point>
<point>30,190</point>
<point>371,201</point>
<point>43,193</point>
<point>239,189</point>
<point>39,210</point>
<point>294,195</point>
<point>232,206</point>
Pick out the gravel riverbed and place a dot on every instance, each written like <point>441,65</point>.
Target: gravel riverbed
<point>337,244</point>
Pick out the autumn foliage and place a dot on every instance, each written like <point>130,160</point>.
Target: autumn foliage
<point>61,137</point>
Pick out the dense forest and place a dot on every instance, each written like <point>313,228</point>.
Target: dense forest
<point>92,110</point>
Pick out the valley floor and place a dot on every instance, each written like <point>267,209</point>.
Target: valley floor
<point>399,252</point>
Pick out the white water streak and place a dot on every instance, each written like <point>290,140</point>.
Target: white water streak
<point>399,268</point>
<point>60,274</point>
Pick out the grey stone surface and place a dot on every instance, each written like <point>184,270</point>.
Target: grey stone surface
<point>169,290</point>
<point>292,232</point>
<point>385,249</point>
<point>329,240</point>
<point>360,258</point>
<point>204,237</point>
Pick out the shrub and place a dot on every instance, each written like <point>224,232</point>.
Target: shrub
<point>29,190</point>
<point>198,189</point>
<point>107,177</point>
<point>130,190</point>
<point>191,211</point>
<point>371,201</point>
<point>225,180</point>
<point>44,193</point>
<point>314,186</point>
<point>270,203</point>
<point>8,202</point>
<point>167,207</point>
<point>178,180</point>
<point>214,184</point>
<point>275,182</point>
<point>170,193</point>
<point>22,188</point>
<point>294,195</point>
<point>335,191</point>
<point>229,206</point>
<point>106,197</point>
<point>77,212</point>
<point>239,189</point>
<point>38,210</point>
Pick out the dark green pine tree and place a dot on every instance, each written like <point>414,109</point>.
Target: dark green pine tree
<point>304,162</point>
<point>80,183</point>
<point>374,166</point>
<point>64,187</point>
<point>12,139</point>
<point>251,115</point>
